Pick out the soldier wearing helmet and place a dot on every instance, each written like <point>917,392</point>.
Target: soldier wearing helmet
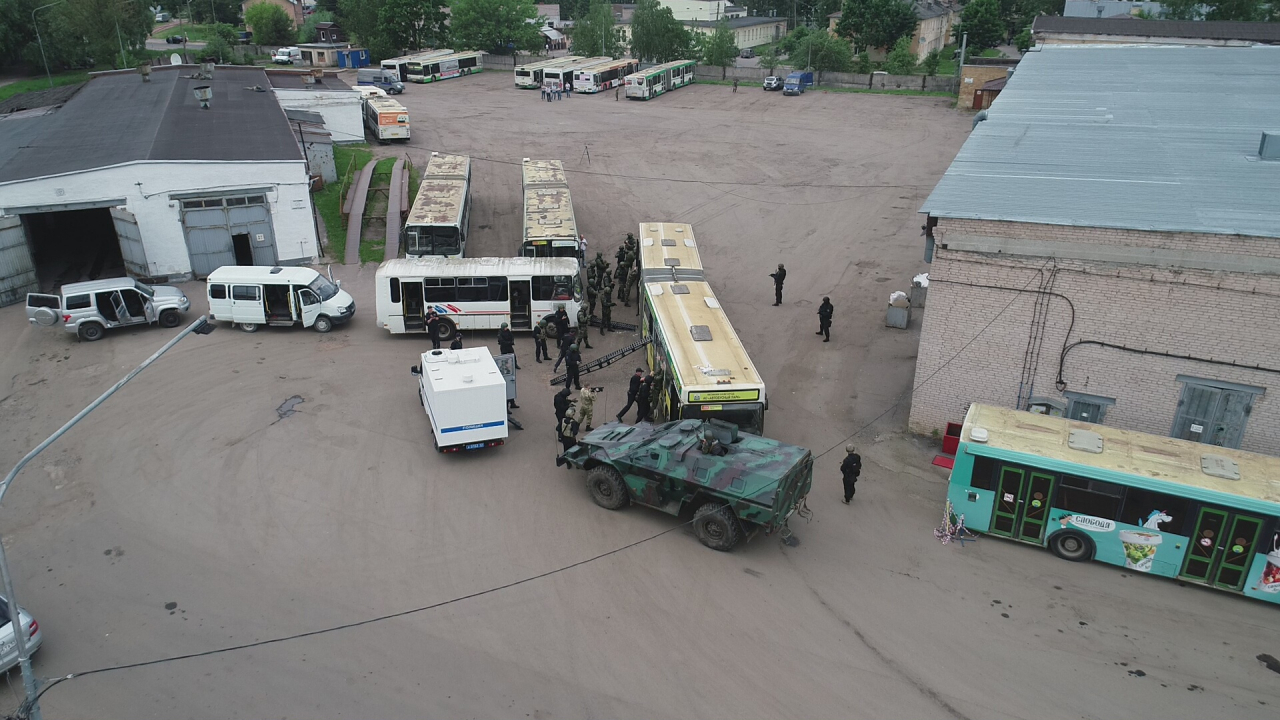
<point>849,471</point>
<point>507,343</point>
<point>572,360</point>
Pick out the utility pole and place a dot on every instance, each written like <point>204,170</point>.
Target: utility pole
<point>964,43</point>
<point>30,707</point>
<point>40,42</point>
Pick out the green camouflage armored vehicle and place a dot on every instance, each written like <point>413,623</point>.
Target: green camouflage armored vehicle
<point>731,485</point>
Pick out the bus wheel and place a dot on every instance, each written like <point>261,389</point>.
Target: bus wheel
<point>716,526</point>
<point>445,330</point>
<point>1072,545</point>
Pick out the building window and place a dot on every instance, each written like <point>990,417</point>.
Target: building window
<point>1088,408</point>
<point>1213,411</point>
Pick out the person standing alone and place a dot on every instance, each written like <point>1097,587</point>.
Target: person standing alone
<point>779,277</point>
<point>540,341</point>
<point>850,469</point>
<point>825,310</point>
<point>507,344</point>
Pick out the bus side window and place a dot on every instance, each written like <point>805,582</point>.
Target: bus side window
<point>395,290</point>
<point>439,290</point>
<point>1139,505</point>
<point>543,287</point>
<point>984,474</point>
<point>1089,497</point>
<point>473,289</point>
<point>218,291</point>
<point>497,289</point>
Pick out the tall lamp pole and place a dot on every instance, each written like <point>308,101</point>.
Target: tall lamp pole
<point>31,705</point>
<point>40,42</point>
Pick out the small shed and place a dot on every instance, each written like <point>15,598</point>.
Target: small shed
<point>353,58</point>
<point>327,32</point>
<point>987,94</point>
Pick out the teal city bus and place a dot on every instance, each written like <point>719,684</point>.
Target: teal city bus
<point>1200,513</point>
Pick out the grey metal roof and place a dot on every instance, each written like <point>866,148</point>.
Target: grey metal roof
<point>117,118</point>
<point>735,22</point>
<point>1189,29</point>
<point>1153,138</point>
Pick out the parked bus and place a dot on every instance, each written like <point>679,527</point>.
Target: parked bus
<point>530,76</point>
<point>1199,513</point>
<point>386,118</point>
<point>658,79</point>
<point>550,229</point>
<point>669,250</point>
<point>605,76</point>
<point>400,65</point>
<point>475,293</point>
<point>446,66</point>
<point>562,75</point>
<point>439,220</point>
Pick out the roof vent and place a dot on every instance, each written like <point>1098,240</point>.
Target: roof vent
<point>1220,467</point>
<point>978,435</point>
<point>668,242</point>
<point>679,289</point>
<point>712,303</point>
<point>647,242</point>
<point>1085,441</point>
<point>204,94</point>
<point>701,333</point>
<point>276,270</point>
<point>1269,148</point>
<point>671,262</point>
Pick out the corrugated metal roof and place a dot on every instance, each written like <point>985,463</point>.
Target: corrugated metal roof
<point>1188,29</point>
<point>1151,138</point>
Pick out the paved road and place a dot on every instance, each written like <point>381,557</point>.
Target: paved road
<point>154,44</point>
<point>186,514</point>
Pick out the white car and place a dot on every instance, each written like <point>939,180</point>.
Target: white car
<point>8,646</point>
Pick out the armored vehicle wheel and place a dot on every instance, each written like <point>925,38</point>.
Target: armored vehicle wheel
<point>717,527</point>
<point>607,489</point>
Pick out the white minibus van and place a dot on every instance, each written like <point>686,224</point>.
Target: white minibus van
<point>255,295</point>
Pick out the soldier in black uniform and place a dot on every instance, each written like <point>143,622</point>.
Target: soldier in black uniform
<point>632,391</point>
<point>457,342</point>
<point>562,404</point>
<point>433,329</point>
<point>642,399</point>
<point>850,469</point>
<point>825,311</point>
<point>572,360</point>
<point>778,278</point>
<point>507,343</point>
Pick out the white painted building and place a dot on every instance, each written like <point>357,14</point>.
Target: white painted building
<point>133,177</point>
<point>702,9</point>
<point>336,101</point>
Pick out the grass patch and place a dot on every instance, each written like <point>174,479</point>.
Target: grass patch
<point>349,159</point>
<point>42,83</point>
<point>199,33</point>
<point>373,251</point>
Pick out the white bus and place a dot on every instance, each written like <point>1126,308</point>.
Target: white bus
<point>605,76</point>
<point>386,119</point>
<point>446,66</point>
<point>400,65</point>
<point>475,293</point>
<point>659,79</point>
<point>561,75</point>
<point>550,229</point>
<point>530,76</point>
<point>439,220</point>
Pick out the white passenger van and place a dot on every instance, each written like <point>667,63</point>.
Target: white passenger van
<point>255,295</point>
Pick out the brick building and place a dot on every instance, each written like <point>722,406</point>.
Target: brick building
<point>1104,249</point>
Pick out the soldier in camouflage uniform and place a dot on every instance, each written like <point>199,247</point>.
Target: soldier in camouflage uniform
<point>655,395</point>
<point>591,298</point>
<point>584,326</point>
<point>622,252</point>
<point>624,281</point>
<point>606,310</point>
<point>586,407</point>
<point>635,286</point>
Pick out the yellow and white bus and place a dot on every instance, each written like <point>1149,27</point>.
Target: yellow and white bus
<point>446,66</point>
<point>604,76</point>
<point>386,119</point>
<point>530,76</point>
<point>400,65</point>
<point>550,229</point>
<point>705,369</point>
<point>562,75</point>
<point>439,220</point>
<point>474,293</point>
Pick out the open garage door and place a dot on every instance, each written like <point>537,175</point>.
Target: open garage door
<point>135,256</point>
<point>17,269</point>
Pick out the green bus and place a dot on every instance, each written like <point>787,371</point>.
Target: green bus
<point>1164,506</point>
<point>654,81</point>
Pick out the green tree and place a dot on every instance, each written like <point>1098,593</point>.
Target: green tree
<point>1023,40</point>
<point>981,19</point>
<point>94,23</point>
<point>1239,10</point>
<point>788,44</point>
<point>719,49</point>
<point>499,26</point>
<point>657,36</point>
<point>823,52</point>
<point>271,25</point>
<point>768,58</point>
<point>409,25</point>
<point>876,23</point>
<point>307,33</point>
<point>862,65</point>
<point>594,34</point>
<point>225,11</point>
<point>931,62</point>
<point>360,20</point>
<point>901,61</point>
<point>218,49</point>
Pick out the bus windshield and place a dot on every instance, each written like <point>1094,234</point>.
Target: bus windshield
<point>749,417</point>
<point>322,287</point>
<point>432,240</point>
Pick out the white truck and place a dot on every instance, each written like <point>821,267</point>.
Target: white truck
<point>465,396</point>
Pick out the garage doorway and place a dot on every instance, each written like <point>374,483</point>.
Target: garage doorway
<point>228,230</point>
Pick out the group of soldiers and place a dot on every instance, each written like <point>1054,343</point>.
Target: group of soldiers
<point>601,284</point>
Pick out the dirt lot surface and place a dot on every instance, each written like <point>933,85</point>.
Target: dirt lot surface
<point>187,514</point>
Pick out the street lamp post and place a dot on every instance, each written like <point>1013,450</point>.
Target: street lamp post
<point>40,42</point>
<point>31,706</point>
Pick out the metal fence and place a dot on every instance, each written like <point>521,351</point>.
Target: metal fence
<point>878,81</point>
